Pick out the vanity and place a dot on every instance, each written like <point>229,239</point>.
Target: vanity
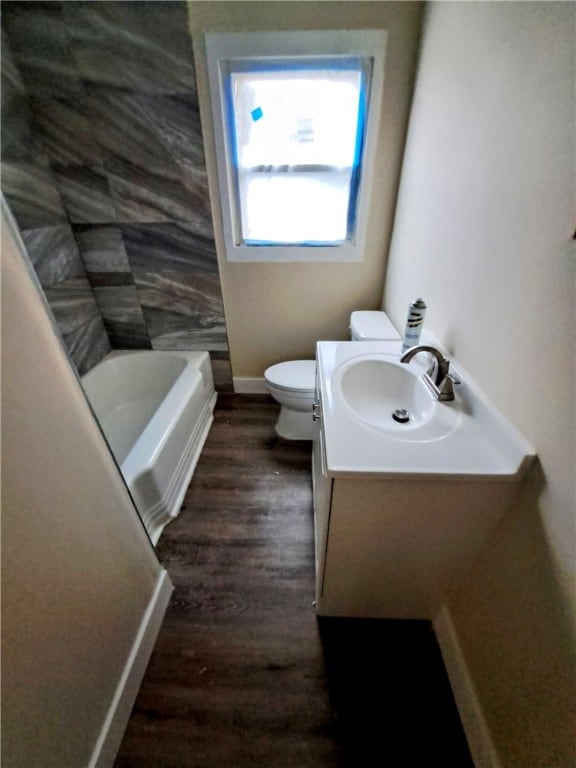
<point>407,489</point>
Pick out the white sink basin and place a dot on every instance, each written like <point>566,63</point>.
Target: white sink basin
<point>391,397</point>
<point>362,384</point>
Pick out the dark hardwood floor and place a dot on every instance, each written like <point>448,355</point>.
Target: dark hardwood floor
<point>243,674</point>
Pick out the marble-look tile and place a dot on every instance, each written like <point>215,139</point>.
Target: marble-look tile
<point>110,279</point>
<point>152,152</point>
<point>222,371</point>
<point>73,304</point>
<point>32,195</point>
<point>123,317</point>
<point>174,120</point>
<point>172,123</point>
<point>151,130</point>
<point>18,140</point>
<point>87,344</point>
<point>150,196</point>
<point>11,77</point>
<point>54,254</point>
<point>188,338</point>
<point>137,45</point>
<point>122,126</point>
<point>168,247</point>
<point>85,194</point>
<point>42,47</point>
<point>185,293</point>
<point>183,310</point>
<point>102,248</point>
<point>66,131</point>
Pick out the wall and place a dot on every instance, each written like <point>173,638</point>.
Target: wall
<point>278,311</point>
<point>78,571</point>
<point>112,100</point>
<point>483,231</point>
<point>31,190</point>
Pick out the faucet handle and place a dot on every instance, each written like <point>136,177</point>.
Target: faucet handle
<point>446,388</point>
<point>439,368</point>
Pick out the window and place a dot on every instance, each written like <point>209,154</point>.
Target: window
<point>295,118</point>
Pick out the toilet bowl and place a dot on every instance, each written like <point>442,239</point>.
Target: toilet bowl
<point>293,383</point>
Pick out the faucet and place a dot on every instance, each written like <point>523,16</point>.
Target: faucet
<point>442,384</point>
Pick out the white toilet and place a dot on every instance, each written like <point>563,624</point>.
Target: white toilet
<point>293,383</point>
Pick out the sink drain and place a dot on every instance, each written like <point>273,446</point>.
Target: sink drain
<point>401,415</point>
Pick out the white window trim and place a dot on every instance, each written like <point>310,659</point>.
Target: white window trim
<point>222,46</point>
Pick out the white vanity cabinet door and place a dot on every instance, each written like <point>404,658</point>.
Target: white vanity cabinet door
<point>322,492</point>
<point>395,549</point>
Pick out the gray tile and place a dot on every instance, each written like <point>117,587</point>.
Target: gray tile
<point>18,140</point>
<point>11,77</point>
<point>42,47</point>
<point>123,317</point>
<point>222,371</point>
<point>66,131</point>
<point>110,279</point>
<point>32,195</point>
<point>144,45</point>
<point>119,304</point>
<point>72,304</point>
<point>172,126</point>
<point>87,344</point>
<point>123,128</point>
<point>102,248</point>
<point>149,129</point>
<point>85,194</point>
<point>168,247</point>
<point>147,195</point>
<point>152,151</point>
<point>185,293</point>
<point>183,310</point>
<point>54,254</point>
<point>189,338</point>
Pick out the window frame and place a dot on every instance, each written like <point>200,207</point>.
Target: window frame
<point>268,48</point>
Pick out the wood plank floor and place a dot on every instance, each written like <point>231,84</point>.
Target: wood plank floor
<point>243,674</point>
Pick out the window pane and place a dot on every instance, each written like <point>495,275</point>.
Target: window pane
<point>296,136</point>
<point>297,208</point>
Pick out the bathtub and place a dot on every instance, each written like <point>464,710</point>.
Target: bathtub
<point>155,410</point>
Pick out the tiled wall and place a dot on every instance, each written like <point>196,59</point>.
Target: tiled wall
<point>112,96</point>
<point>30,189</point>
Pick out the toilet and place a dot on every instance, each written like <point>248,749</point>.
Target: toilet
<point>293,383</point>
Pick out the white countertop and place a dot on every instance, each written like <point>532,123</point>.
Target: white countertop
<point>483,445</point>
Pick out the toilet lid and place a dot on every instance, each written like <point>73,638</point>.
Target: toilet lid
<point>293,374</point>
<point>372,325</point>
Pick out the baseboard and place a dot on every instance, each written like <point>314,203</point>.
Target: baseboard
<point>477,733</point>
<point>112,731</point>
<point>246,385</point>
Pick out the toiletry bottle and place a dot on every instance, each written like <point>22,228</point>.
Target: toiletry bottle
<point>414,323</point>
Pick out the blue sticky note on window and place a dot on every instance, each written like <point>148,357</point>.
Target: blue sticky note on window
<point>257,114</point>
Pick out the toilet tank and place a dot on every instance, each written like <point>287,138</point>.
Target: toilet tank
<point>372,325</point>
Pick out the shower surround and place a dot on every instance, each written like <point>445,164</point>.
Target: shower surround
<point>103,156</point>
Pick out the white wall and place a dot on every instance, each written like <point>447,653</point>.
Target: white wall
<point>483,232</point>
<point>278,311</point>
<point>78,571</point>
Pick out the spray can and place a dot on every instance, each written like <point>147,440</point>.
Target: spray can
<point>414,323</point>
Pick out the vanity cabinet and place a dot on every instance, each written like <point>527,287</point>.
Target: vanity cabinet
<point>390,548</point>
<point>401,513</point>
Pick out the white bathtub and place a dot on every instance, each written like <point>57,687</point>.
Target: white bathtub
<point>155,409</point>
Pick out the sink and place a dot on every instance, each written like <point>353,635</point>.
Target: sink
<point>391,397</point>
<point>362,383</point>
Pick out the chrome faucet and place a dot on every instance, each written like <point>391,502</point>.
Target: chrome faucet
<point>442,384</point>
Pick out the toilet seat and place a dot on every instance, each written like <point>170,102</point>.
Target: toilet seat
<point>294,375</point>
